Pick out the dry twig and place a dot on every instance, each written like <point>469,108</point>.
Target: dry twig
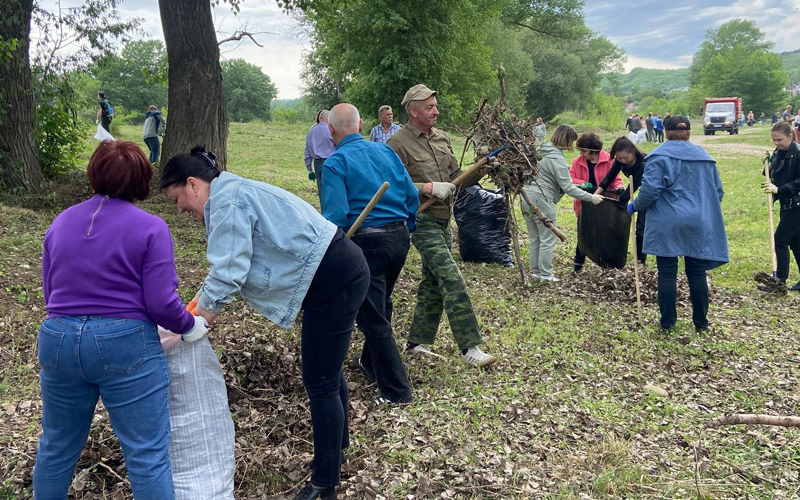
<point>756,419</point>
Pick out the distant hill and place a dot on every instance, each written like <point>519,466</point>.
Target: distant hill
<point>791,64</point>
<point>286,103</point>
<point>640,79</point>
<point>646,79</point>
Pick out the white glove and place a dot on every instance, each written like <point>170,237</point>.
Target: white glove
<point>198,331</point>
<point>596,199</point>
<point>770,188</point>
<point>442,190</point>
<point>168,339</point>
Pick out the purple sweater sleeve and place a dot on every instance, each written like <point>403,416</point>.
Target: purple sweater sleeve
<point>160,282</point>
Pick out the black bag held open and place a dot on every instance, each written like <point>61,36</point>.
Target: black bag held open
<point>603,232</point>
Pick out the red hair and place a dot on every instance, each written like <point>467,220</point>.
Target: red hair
<point>120,169</point>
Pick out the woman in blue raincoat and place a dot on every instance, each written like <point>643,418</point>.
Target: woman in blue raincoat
<point>681,192</point>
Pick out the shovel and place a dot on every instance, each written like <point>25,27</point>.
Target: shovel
<point>636,263</point>
<point>770,283</point>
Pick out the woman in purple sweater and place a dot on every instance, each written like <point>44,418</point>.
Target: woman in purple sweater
<point>108,277</point>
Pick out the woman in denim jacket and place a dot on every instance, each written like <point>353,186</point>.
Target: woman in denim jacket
<point>281,256</point>
<point>108,277</point>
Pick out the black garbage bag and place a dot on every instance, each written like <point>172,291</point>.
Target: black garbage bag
<point>603,233</point>
<point>483,235</point>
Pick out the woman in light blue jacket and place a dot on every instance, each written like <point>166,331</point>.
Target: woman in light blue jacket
<point>281,256</point>
<point>682,192</point>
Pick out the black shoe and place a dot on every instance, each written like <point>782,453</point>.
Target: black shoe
<point>311,493</point>
<point>795,287</point>
<point>701,330</point>
<point>357,364</point>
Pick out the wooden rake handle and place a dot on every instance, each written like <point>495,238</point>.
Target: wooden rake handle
<point>363,215</point>
<point>457,182</point>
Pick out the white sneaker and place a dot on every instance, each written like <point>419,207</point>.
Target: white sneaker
<point>549,278</point>
<point>422,351</point>
<point>536,276</point>
<point>475,356</point>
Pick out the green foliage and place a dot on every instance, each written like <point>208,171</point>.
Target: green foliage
<point>756,76</point>
<point>791,64</point>
<point>134,79</point>
<point>550,18</point>
<point>736,32</point>
<point>407,45</point>
<point>248,91</point>
<point>602,112</point>
<point>61,137</point>
<point>7,48</point>
<point>645,80</point>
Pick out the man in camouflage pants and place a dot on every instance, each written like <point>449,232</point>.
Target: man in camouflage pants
<point>429,159</point>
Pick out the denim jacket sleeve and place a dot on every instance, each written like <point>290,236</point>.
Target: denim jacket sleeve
<point>230,248</point>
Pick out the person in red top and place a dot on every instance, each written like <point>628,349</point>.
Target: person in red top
<point>588,169</point>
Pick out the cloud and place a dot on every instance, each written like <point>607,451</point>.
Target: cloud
<point>644,62</point>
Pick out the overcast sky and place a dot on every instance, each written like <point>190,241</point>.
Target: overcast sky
<point>654,33</point>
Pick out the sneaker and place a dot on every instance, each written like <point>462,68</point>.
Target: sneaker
<point>475,356</point>
<point>422,350</point>
<point>795,287</point>
<point>550,278</point>
<point>310,493</point>
<point>537,276</point>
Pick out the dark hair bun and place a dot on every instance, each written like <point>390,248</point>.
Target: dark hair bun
<point>198,149</point>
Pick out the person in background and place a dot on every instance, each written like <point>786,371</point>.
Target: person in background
<point>774,117</point>
<point>154,126</point>
<point>797,121</point>
<point>635,124</point>
<point>108,277</point>
<point>650,128</point>
<point>281,256</point>
<point>539,132</point>
<point>667,118</point>
<point>784,184</point>
<point>104,111</point>
<point>751,119</point>
<point>659,126</point>
<point>787,114</point>
<point>352,176</point>
<point>682,194</point>
<point>319,146</point>
<point>588,169</point>
<point>428,156</point>
<point>629,160</point>
<point>552,183</point>
<point>763,118</point>
<point>386,128</point>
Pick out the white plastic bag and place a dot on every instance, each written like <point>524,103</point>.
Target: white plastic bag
<point>642,135</point>
<point>202,435</point>
<point>634,137</point>
<point>102,134</point>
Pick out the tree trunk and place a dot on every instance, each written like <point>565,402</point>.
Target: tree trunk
<point>197,113</point>
<point>19,156</point>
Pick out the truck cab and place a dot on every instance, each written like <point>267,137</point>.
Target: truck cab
<point>721,114</point>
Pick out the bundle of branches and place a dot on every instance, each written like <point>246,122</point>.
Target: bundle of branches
<point>497,131</point>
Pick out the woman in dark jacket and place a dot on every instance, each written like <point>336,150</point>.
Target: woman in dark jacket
<point>784,184</point>
<point>629,160</point>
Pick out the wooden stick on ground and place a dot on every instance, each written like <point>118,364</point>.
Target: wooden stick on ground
<point>636,261</point>
<point>367,209</point>
<point>756,419</point>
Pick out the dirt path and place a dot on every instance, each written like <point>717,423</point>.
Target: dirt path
<point>713,144</point>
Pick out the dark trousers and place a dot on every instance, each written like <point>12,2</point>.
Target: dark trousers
<point>668,289</point>
<point>326,331</point>
<point>154,145</point>
<point>640,223</point>
<point>787,236</point>
<point>386,255</point>
<point>106,123</point>
<point>318,162</point>
<point>660,135</point>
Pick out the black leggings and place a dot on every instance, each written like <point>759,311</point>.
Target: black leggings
<point>787,236</point>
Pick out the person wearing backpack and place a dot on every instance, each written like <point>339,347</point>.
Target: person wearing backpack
<point>105,111</point>
<point>154,124</point>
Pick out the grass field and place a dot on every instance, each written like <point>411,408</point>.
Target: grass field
<point>564,414</point>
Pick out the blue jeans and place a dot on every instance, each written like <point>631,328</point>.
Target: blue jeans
<point>120,360</point>
<point>154,145</point>
<point>668,289</point>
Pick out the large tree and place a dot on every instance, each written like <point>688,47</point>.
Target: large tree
<point>19,156</point>
<point>720,41</point>
<point>197,112</point>
<point>248,91</point>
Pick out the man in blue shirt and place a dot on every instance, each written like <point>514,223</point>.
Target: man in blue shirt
<point>351,176</point>
<point>385,129</point>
